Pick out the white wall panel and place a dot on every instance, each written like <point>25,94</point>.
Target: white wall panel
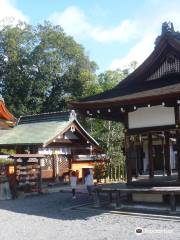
<point>151,117</point>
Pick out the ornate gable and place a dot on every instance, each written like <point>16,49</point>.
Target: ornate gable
<point>170,65</point>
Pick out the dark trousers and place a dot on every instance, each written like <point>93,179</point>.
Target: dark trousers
<point>89,189</point>
<point>73,192</point>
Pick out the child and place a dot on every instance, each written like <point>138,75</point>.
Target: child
<point>73,181</point>
<point>89,182</point>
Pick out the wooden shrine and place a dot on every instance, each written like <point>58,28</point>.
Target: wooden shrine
<point>147,102</point>
<point>58,136</point>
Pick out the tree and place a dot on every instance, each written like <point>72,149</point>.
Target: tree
<point>100,171</point>
<point>41,68</point>
<point>109,134</point>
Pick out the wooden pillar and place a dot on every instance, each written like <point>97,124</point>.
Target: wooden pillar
<point>128,159</point>
<point>163,148</point>
<point>173,202</point>
<point>139,156</point>
<point>151,164</point>
<point>70,159</point>
<point>167,154</point>
<point>54,167</point>
<point>178,152</point>
<point>118,199</point>
<point>177,118</point>
<point>39,177</point>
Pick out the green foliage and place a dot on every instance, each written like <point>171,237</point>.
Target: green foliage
<point>100,171</point>
<point>109,134</point>
<point>7,151</point>
<point>6,161</point>
<point>41,68</point>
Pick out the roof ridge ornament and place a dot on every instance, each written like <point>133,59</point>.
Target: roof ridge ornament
<point>73,115</point>
<point>167,29</point>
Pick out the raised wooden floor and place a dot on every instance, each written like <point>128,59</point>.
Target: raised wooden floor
<point>144,194</point>
<point>156,181</point>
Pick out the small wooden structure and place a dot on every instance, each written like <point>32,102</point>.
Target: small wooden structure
<point>58,136</point>
<point>28,172</point>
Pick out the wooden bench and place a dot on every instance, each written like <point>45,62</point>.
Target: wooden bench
<point>171,191</point>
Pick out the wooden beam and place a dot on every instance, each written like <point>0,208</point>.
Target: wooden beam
<point>144,130</point>
<point>151,163</point>
<point>167,154</point>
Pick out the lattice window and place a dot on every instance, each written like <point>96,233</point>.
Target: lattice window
<point>63,165</point>
<point>47,163</point>
<point>170,65</point>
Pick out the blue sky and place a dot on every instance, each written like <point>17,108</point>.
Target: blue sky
<point>113,32</point>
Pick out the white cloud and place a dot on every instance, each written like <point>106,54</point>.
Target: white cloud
<point>142,29</point>
<point>74,22</point>
<point>72,19</point>
<point>9,13</point>
<point>150,28</point>
<point>123,32</point>
<point>137,53</point>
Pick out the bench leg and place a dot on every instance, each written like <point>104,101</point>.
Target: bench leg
<point>173,202</point>
<point>110,198</point>
<point>97,202</point>
<point>118,202</point>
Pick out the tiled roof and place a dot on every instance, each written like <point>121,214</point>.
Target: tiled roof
<point>41,129</point>
<point>33,133</point>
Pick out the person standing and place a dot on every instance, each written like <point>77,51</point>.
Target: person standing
<point>73,182</point>
<point>89,182</point>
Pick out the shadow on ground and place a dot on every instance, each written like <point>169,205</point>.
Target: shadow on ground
<point>53,205</point>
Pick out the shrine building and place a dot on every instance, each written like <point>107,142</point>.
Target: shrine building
<point>147,102</point>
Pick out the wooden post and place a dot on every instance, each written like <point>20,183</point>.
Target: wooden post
<point>163,148</point>
<point>151,164</point>
<point>70,158</point>
<point>177,118</point>
<point>110,197</point>
<point>173,202</point>
<point>40,177</point>
<point>178,152</point>
<point>53,167</point>
<point>118,201</point>
<point>128,159</point>
<point>167,154</point>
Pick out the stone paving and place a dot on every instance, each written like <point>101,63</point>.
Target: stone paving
<point>50,216</point>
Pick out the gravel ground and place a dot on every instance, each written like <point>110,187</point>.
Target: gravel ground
<point>49,217</point>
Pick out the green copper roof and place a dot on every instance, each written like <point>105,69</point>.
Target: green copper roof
<point>33,133</point>
<point>41,129</point>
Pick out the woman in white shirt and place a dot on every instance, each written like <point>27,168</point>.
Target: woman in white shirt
<point>89,182</point>
<point>73,182</point>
